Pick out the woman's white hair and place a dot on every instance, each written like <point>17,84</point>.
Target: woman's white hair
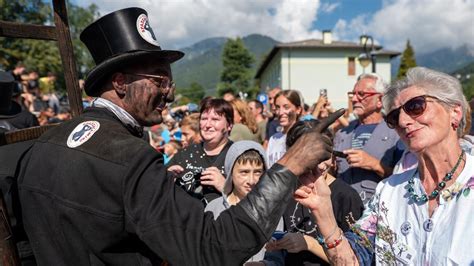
<point>436,84</point>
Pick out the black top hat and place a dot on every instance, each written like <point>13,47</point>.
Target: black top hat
<point>8,108</point>
<point>122,37</point>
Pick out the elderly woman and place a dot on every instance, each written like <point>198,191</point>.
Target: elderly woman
<point>422,216</point>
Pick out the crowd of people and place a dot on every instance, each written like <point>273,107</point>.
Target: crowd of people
<point>232,181</point>
<point>38,98</point>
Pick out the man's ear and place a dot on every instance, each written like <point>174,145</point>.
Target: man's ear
<point>119,83</point>
<point>379,102</point>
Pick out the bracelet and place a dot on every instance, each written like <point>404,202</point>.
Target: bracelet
<point>334,244</point>
<point>333,232</point>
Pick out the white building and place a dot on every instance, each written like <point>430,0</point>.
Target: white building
<point>311,65</point>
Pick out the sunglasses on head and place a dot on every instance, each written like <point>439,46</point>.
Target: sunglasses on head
<point>413,107</point>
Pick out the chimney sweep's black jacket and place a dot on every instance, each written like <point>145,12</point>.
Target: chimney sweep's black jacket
<point>109,201</point>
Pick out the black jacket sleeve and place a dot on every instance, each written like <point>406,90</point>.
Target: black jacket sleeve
<point>175,226</point>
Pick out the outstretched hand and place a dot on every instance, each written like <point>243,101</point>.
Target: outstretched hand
<point>314,192</point>
<point>311,148</point>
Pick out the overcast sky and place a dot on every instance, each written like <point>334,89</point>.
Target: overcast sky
<point>429,24</point>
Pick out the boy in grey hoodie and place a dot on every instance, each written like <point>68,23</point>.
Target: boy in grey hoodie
<point>244,163</point>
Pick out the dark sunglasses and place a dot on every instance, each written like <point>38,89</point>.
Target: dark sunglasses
<point>413,107</point>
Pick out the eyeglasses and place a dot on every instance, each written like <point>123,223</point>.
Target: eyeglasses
<point>413,107</point>
<point>161,82</point>
<point>362,94</point>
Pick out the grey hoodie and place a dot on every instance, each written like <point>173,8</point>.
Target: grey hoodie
<point>237,149</point>
<point>220,204</point>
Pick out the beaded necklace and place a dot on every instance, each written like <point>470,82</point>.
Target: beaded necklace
<point>424,198</point>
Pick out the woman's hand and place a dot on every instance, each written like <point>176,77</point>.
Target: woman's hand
<point>314,193</point>
<point>322,101</point>
<point>213,177</point>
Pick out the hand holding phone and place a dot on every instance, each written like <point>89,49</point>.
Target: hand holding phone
<point>323,93</point>
<point>339,154</point>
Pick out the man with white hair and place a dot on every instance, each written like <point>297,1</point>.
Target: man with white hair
<point>370,148</point>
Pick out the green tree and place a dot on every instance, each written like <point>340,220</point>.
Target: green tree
<point>14,50</point>
<point>39,55</point>
<point>195,93</point>
<point>237,62</point>
<point>407,61</point>
<point>79,18</point>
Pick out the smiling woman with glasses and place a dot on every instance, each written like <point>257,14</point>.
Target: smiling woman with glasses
<point>422,215</point>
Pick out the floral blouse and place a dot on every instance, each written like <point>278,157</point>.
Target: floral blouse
<point>398,231</point>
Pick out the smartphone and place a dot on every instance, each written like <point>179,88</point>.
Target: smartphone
<point>339,154</point>
<point>323,92</point>
<point>277,235</point>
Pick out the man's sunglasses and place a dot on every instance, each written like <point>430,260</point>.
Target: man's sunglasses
<point>413,107</point>
<point>161,82</point>
<point>362,94</point>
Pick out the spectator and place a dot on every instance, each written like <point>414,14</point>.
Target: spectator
<point>64,114</point>
<point>288,108</point>
<point>228,95</point>
<point>170,149</point>
<point>190,130</point>
<point>272,123</point>
<point>25,118</point>
<point>256,107</point>
<point>170,128</point>
<point>244,164</point>
<point>245,127</point>
<point>48,91</point>
<point>371,147</point>
<point>422,216</point>
<point>199,169</point>
<point>93,192</point>
<point>301,239</point>
<point>322,110</point>
<point>9,109</point>
<point>154,136</point>
<point>18,72</point>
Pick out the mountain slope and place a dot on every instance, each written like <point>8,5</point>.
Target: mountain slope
<point>446,59</point>
<point>466,76</point>
<point>203,60</point>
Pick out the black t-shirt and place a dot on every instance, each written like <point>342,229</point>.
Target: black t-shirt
<point>194,160</point>
<point>299,219</point>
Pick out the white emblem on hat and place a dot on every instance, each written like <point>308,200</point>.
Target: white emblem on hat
<point>82,133</point>
<point>145,30</point>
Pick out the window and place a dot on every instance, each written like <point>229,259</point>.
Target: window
<point>351,66</point>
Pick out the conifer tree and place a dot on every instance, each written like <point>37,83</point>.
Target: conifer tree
<point>237,62</point>
<point>407,61</point>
